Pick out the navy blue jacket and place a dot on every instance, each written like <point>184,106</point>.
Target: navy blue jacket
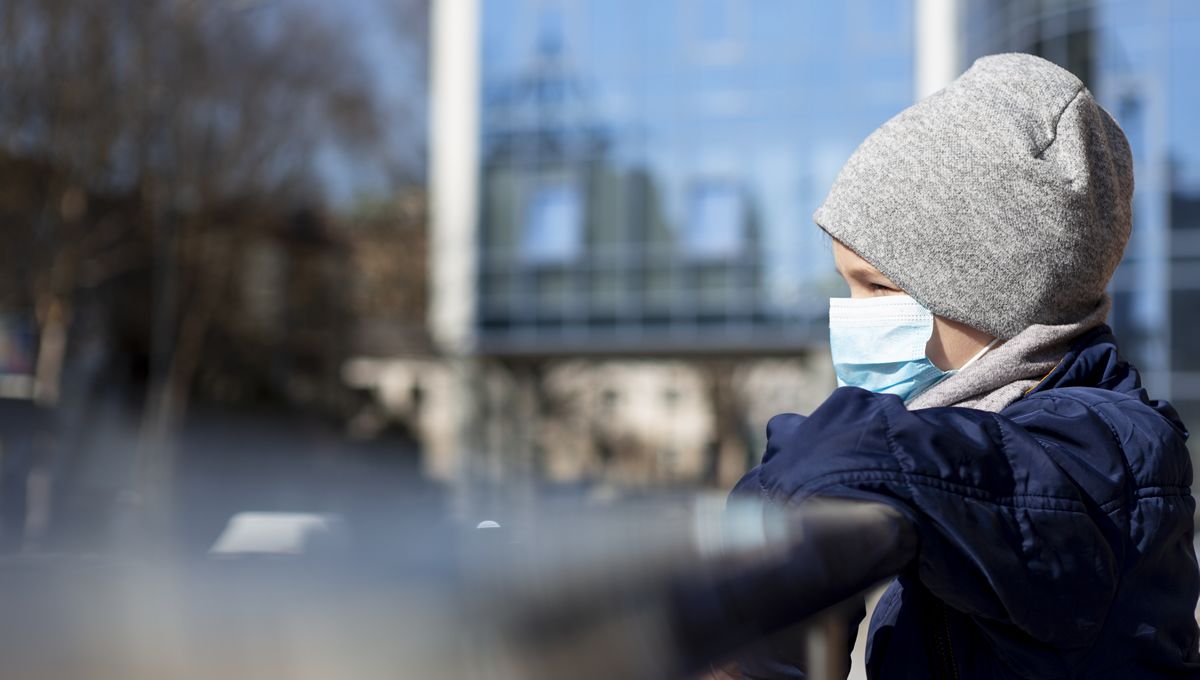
<point>1055,536</point>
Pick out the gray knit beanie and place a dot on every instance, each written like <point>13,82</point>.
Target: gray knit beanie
<point>1000,202</point>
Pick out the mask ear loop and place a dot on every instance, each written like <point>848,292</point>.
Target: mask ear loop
<point>981,352</point>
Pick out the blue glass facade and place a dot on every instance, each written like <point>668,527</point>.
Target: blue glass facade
<point>649,169</point>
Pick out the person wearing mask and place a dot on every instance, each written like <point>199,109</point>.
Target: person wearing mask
<point>982,395</point>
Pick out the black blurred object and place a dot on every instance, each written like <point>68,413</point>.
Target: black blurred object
<point>21,422</point>
<point>646,595</point>
<point>831,553</point>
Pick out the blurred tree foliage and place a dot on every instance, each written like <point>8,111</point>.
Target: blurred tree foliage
<point>162,207</point>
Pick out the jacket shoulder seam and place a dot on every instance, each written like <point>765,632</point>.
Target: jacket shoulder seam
<point>1142,493</point>
<point>1067,393</point>
<point>1112,430</point>
<point>911,479</point>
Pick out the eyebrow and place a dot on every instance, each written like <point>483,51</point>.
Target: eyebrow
<point>857,269</point>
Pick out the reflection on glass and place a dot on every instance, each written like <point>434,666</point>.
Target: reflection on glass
<point>714,226</point>
<point>553,224</point>
<point>697,137</point>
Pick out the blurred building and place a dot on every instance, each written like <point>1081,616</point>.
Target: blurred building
<point>622,192</point>
<point>622,235</point>
<point>647,170</point>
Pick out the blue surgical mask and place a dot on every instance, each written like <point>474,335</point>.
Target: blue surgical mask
<point>878,344</point>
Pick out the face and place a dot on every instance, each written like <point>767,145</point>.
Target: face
<point>864,280</point>
<point>952,343</point>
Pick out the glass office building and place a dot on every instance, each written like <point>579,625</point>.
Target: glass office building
<point>649,169</point>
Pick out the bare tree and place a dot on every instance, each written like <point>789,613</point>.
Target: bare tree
<point>157,137</point>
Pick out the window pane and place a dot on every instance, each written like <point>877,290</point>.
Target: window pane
<point>553,224</point>
<point>715,221</point>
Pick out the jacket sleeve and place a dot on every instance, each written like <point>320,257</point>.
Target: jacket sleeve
<point>1009,508</point>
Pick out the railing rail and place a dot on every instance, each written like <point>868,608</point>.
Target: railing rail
<point>688,591</point>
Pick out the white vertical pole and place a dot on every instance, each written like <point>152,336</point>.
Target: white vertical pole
<point>937,43</point>
<point>454,102</point>
<point>453,171</point>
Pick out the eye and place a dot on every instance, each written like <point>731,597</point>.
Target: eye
<point>880,288</point>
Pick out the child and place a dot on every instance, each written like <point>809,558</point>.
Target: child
<point>982,395</point>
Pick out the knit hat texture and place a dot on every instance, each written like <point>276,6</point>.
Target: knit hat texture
<point>1001,201</point>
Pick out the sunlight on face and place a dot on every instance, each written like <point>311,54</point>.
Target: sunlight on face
<point>864,279</point>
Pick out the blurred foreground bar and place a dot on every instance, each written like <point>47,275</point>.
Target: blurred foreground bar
<point>650,589</point>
